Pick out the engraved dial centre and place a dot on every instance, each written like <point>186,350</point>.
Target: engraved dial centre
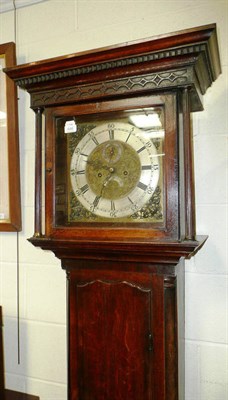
<point>113,170</point>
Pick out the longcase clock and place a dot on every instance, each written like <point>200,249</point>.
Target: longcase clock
<point>119,203</point>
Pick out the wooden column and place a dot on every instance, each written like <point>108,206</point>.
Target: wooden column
<point>188,169</point>
<point>38,174</point>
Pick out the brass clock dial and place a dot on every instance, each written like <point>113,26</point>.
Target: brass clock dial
<point>114,170</point>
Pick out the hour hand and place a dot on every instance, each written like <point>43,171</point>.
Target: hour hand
<point>105,183</point>
<point>107,179</point>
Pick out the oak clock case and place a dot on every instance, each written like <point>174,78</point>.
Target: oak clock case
<point>119,204</point>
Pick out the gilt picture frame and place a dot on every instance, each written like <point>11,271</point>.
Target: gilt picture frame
<point>10,201</point>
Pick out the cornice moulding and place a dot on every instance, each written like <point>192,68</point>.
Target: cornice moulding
<point>188,58</point>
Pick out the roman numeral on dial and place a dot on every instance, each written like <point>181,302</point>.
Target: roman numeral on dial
<point>84,188</point>
<point>96,201</point>
<point>141,149</point>
<point>94,139</point>
<point>111,134</point>
<point>142,186</point>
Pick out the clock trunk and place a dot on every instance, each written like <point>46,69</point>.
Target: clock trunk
<point>125,270</point>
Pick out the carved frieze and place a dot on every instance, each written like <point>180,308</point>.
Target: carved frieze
<point>107,88</point>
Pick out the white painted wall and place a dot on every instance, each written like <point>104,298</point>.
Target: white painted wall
<point>58,27</point>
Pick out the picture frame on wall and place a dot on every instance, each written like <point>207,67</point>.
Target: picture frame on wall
<point>10,201</point>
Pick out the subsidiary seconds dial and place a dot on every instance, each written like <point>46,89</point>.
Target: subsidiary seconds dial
<point>114,170</point>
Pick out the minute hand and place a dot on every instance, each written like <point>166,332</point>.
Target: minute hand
<point>107,179</point>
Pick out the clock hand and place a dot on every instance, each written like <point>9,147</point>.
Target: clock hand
<point>107,179</point>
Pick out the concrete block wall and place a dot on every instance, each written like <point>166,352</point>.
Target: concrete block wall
<point>57,27</point>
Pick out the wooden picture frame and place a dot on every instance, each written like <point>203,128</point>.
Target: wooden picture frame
<point>10,202</point>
